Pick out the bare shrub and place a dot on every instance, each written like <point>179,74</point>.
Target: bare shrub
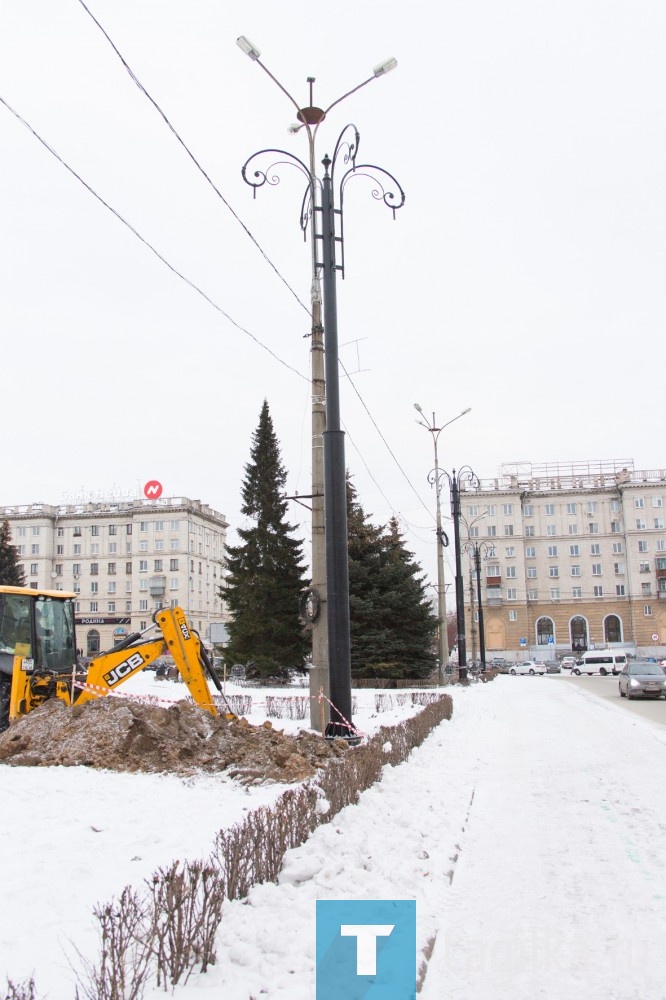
<point>294,707</point>
<point>21,991</point>
<point>424,697</point>
<point>383,703</point>
<point>240,704</point>
<point>185,910</point>
<point>122,967</point>
<point>402,699</point>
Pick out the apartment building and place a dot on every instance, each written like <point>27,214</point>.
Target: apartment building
<point>572,557</point>
<point>124,560</point>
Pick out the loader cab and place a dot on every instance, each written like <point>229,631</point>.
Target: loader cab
<point>39,626</point>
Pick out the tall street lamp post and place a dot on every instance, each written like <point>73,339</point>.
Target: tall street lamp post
<point>476,548</point>
<point>464,475</point>
<point>320,216</point>
<point>435,479</point>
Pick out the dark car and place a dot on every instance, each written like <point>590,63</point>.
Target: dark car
<point>553,667</point>
<point>644,680</point>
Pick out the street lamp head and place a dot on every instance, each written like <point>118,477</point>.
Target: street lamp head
<point>385,67</point>
<point>248,48</point>
<point>294,128</point>
<point>468,410</point>
<point>417,406</point>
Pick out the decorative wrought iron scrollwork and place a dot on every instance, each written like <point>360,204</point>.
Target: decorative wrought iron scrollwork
<point>269,175</point>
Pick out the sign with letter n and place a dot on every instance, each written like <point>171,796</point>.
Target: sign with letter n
<point>366,949</point>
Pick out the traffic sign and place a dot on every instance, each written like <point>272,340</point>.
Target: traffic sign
<point>655,637</point>
<point>551,640</point>
<point>523,642</point>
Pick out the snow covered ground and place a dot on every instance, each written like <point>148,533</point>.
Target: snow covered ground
<point>530,830</point>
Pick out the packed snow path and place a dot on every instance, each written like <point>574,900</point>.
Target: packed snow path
<point>530,830</point>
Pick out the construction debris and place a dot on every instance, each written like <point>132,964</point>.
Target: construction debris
<point>118,734</point>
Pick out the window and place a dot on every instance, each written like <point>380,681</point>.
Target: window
<point>173,583</point>
<point>94,569</point>
<point>644,567</point>
<point>510,551</point>
<point>173,544</point>
<point>473,511</point>
<point>533,595</point>
<point>174,525</point>
<point>143,604</point>
<point>76,587</point>
<point>591,507</point>
<point>94,530</point>
<point>474,531</point>
<point>143,546</point>
<point>619,590</point>
<point>550,509</point>
<point>113,548</point>
<point>530,552</point>
<point>571,508</point>
<point>661,545</point>
<point>639,502</point>
<point>60,550</point>
<point>659,522</point>
<point>58,569</point>
<point>113,529</point>
<point>111,607</point>
<point>573,529</point>
<point>94,587</point>
<point>551,530</point>
<point>507,508</point>
<point>554,593</point>
<point>111,589</point>
<point>657,502</point>
<point>143,526</point>
<point>642,546</point>
<point>128,606</point>
<point>641,524</point>
<point>553,571</point>
<point>510,572</point>
<point>593,528</point>
<point>576,592</point>
<point>552,551</point>
<point>77,531</point>
<point>159,525</point>
<point>492,531</point>
<point>617,548</point>
<point>646,589</point>
<point>143,565</point>
<point>647,610</point>
<point>77,549</point>
<point>35,529</point>
<point>128,567</point>
<point>618,568</point>
<point>575,570</point>
<point>598,590</point>
<point>128,529</point>
<point>531,572</point>
<point>493,570</point>
<point>173,565</point>
<point>94,548</point>
<point>111,569</point>
<point>596,569</point>
<point>512,594</point>
<point>142,626</point>
<point>128,586</point>
<point>143,585</point>
<point>20,549</point>
<point>159,543</point>
<point>513,616</point>
<point>76,569</point>
<point>595,549</point>
<point>528,510</point>
<point>34,550</point>
<point>529,531</point>
<point>94,606</point>
<point>574,550</point>
<point>158,566</point>
<point>508,529</point>
<point>615,527</point>
<point>34,569</point>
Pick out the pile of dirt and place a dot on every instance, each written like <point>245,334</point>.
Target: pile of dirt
<point>122,735</point>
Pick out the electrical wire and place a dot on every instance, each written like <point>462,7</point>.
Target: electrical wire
<point>149,245</point>
<point>191,155</point>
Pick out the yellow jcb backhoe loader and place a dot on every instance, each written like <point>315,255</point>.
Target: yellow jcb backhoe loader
<point>38,654</point>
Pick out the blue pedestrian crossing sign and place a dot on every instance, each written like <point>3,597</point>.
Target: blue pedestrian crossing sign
<point>523,642</point>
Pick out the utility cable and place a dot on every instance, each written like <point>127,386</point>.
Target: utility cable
<point>192,156</point>
<point>149,246</point>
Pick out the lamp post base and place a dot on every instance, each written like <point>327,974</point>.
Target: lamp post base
<point>340,731</point>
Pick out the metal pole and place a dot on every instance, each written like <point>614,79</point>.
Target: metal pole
<point>460,587</point>
<point>335,490</point>
<point>443,639</point>
<point>482,634</point>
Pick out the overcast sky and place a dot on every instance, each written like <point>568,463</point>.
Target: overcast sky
<point>524,276</point>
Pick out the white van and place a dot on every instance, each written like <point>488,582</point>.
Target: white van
<point>600,661</point>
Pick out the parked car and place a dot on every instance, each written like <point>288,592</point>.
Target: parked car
<point>568,662</point>
<point>645,680</point>
<point>552,666</point>
<point>528,667</point>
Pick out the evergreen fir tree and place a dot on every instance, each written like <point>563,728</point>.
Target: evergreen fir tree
<point>11,570</point>
<point>392,624</point>
<point>265,575</point>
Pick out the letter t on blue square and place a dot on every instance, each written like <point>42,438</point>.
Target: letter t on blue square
<point>366,949</point>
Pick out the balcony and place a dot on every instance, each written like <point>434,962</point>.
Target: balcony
<point>494,597</point>
<point>495,581</point>
<point>157,586</point>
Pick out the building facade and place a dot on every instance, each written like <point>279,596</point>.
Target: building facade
<point>124,561</point>
<point>572,557</point>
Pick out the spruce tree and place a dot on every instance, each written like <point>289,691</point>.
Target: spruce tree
<point>265,575</point>
<point>392,624</point>
<point>11,570</point>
